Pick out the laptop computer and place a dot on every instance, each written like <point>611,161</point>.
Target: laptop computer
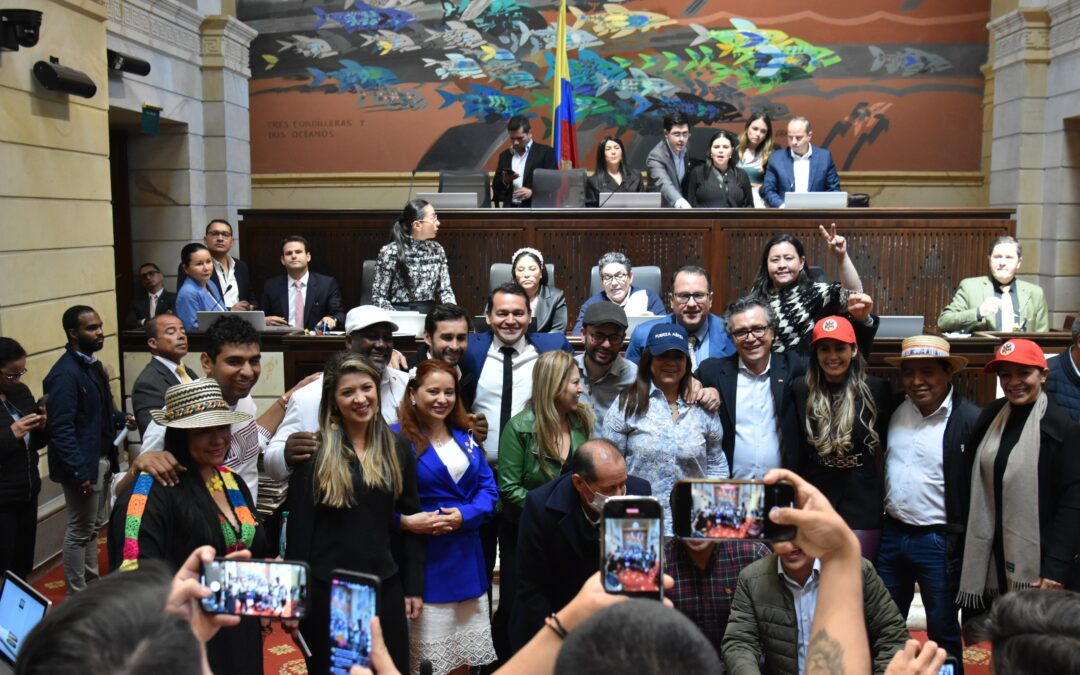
<point>900,326</point>
<point>450,200</point>
<point>257,319</point>
<point>21,608</point>
<point>633,322</point>
<point>629,200</point>
<point>815,200</point>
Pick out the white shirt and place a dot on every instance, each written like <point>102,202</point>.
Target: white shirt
<point>757,444</point>
<point>453,457</point>
<point>229,289</point>
<point>1076,367</point>
<point>636,303</point>
<point>517,163</point>
<point>801,167</point>
<point>246,444</point>
<point>292,298</point>
<point>914,464</point>
<point>171,365</point>
<point>302,414</point>
<point>489,387</point>
<point>805,598</point>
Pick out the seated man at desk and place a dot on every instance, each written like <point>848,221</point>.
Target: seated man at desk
<point>301,298</point>
<point>998,301</point>
<point>669,162</point>
<point>799,167</point>
<point>513,180</point>
<point>154,301</point>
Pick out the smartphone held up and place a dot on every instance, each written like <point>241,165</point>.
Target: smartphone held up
<point>353,603</point>
<point>632,546</point>
<point>273,589</point>
<point>730,509</point>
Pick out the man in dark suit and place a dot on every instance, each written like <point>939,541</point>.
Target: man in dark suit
<point>757,410</point>
<point>799,167</point>
<point>230,275</point>
<point>167,339</point>
<point>512,183</point>
<point>668,163</point>
<point>156,300</point>
<point>319,301</point>
<point>559,542</point>
<point>83,421</point>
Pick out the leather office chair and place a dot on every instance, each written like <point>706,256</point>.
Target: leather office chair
<point>477,182</point>
<point>645,276</point>
<point>816,274</point>
<point>558,189</point>
<point>367,281</point>
<point>500,273</point>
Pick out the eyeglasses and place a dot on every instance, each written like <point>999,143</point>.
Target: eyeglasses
<point>684,298</point>
<point>608,278</point>
<point>756,331</point>
<point>613,339</point>
<point>434,219</point>
<point>11,377</point>
<point>219,234</point>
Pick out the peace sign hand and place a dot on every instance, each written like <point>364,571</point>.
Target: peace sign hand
<point>837,243</point>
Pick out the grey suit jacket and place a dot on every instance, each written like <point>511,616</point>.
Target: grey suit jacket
<point>148,392</point>
<point>663,177</point>
<point>550,311</point>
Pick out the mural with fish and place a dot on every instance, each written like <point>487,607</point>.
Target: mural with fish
<point>344,86</point>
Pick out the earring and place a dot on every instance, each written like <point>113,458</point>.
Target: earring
<point>334,422</point>
<point>412,400</point>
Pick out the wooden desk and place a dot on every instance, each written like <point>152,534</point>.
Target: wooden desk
<point>910,260</point>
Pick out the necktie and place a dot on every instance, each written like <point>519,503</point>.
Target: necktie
<point>1008,314</point>
<point>182,373</point>
<point>298,306</point>
<point>507,387</point>
<point>693,352</point>
<point>153,305</point>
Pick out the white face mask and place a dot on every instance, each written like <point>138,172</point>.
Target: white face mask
<point>598,500</point>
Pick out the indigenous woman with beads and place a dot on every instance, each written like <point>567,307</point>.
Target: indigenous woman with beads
<point>797,302</point>
<point>210,505</point>
<point>344,505</point>
<point>458,495</point>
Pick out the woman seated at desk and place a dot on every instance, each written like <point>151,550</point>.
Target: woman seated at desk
<point>718,183</point>
<point>412,273</point>
<point>755,147</point>
<point>548,304</point>
<point>198,294</point>
<point>612,174</point>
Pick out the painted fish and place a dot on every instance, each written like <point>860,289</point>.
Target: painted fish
<point>311,47</point>
<point>392,98</point>
<point>637,84</point>
<point>383,4</point>
<point>455,65</point>
<point>588,71</point>
<point>907,62</point>
<point>584,105</point>
<point>619,22</point>
<point>365,19</point>
<point>548,37</point>
<point>457,35</point>
<point>696,108</point>
<point>353,77</point>
<point>486,103</point>
<point>515,79</point>
<point>388,41</point>
<point>271,61</point>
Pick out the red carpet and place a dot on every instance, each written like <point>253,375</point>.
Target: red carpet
<point>283,657</point>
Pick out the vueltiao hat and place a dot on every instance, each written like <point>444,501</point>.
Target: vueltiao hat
<point>926,347</point>
<point>196,405</point>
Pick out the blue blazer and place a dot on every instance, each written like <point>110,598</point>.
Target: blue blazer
<point>472,362</point>
<point>720,343</point>
<point>82,420</point>
<point>780,175</point>
<point>192,299</point>
<point>454,568</point>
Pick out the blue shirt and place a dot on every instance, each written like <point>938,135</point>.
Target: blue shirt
<point>662,449</point>
<point>193,299</point>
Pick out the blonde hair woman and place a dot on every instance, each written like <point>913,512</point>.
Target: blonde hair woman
<point>344,507</point>
<point>532,450</point>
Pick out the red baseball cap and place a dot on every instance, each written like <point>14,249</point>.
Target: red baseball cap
<point>1024,352</point>
<point>834,328</point>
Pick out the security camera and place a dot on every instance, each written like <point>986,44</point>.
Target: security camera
<point>56,77</point>
<point>127,64</point>
<point>19,28</point>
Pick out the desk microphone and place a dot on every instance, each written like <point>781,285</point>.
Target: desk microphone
<point>612,194</point>
<point>412,179</point>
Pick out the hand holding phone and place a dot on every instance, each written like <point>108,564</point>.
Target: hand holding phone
<point>632,546</point>
<point>353,604</point>
<point>730,509</point>
<point>271,589</point>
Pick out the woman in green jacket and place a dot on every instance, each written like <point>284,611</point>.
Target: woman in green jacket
<point>532,450</point>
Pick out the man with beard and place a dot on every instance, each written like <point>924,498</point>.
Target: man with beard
<point>83,421</point>
<point>368,332</point>
<point>605,372</point>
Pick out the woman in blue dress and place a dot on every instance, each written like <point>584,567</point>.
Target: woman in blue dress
<point>199,293</point>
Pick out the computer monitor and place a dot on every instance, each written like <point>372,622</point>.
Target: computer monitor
<point>450,200</point>
<point>900,326</point>
<point>257,319</point>
<point>815,200</point>
<point>629,200</point>
<point>21,608</point>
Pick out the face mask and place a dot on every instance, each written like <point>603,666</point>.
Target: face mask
<point>598,500</point>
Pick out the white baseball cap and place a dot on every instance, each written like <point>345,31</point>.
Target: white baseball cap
<point>366,315</point>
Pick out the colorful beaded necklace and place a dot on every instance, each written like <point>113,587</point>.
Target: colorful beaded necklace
<point>133,521</point>
<point>239,508</point>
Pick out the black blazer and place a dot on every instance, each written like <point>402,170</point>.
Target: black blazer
<point>243,280</point>
<point>703,189</point>
<point>601,181</point>
<point>550,314</point>
<point>139,309</point>
<point>20,481</point>
<point>558,550</point>
<point>323,299</point>
<point>1059,490</point>
<point>784,368</point>
<point>540,157</point>
<point>148,393</point>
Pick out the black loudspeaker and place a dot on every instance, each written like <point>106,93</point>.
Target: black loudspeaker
<point>127,64</point>
<point>56,77</point>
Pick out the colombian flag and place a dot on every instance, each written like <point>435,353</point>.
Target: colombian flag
<point>562,106</point>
